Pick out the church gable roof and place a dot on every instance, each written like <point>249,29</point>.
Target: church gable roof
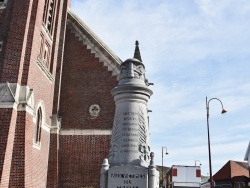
<point>97,47</point>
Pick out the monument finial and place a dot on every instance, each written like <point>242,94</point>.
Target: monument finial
<point>137,54</point>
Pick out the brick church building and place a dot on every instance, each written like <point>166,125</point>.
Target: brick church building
<point>56,109</point>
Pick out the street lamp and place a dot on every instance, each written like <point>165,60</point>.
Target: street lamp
<point>208,137</point>
<point>197,161</point>
<point>162,162</point>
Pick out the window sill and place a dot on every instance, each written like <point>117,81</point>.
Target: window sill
<point>45,70</point>
<point>37,145</point>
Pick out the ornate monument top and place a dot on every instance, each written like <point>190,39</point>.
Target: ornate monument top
<point>133,70</point>
<point>137,54</point>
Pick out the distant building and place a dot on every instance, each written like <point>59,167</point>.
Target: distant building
<point>183,176</point>
<point>233,174</point>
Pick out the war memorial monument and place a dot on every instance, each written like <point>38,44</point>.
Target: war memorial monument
<point>130,163</point>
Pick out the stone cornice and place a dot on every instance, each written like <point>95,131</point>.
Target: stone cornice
<point>45,70</point>
<point>97,47</point>
<point>21,98</point>
<point>85,132</point>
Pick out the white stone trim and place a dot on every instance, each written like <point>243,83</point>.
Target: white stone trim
<point>37,145</point>
<point>21,98</point>
<point>9,92</point>
<point>85,132</point>
<point>8,105</point>
<point>55,124</point>
<point>46,127</point>
<point>45,70</point>
<point>3,4</point>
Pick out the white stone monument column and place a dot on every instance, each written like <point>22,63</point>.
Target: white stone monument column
<point>129,154</point>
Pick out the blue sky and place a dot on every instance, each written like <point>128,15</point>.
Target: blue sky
<point>191,49</point>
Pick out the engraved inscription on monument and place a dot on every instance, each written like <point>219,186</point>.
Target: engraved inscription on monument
<point>130,133</point>
<point>130,136</point>
<point>128,176</point>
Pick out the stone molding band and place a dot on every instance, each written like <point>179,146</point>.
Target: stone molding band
<point>85,132</point>
<point>20,98</point>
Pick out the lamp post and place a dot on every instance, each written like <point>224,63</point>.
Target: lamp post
<point>208,137</point>
<point>162,162</point>
<point>197,161</point>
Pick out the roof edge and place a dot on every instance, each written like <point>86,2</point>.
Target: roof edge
<point>93,42</point>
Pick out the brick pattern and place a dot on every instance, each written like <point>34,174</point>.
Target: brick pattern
<point>39,162</point>
<point>16,34</point>
<point>58,68</point>
<point>52,180</point>
<point>30,38</point>
<point>85,81</point>
<point>81,158</point>
<point>7,127</point>
<point>21,164</point>
<point>61,161</point>
<point>17,163</point>
<point>2,16</point>
<point>5,117</point>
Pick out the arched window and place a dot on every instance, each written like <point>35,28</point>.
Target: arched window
<point>49,14</point>
<point>38,125</point>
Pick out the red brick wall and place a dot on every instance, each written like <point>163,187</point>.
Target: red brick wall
<point>39,162</point>
<point>29,40</point>
<point>5,117</point>
<point>7,127</point>
<point>85,81</point>
<point>22,165</point>
<point>52,180</point>
<point>53,170</point>
<point>81,158</point>
<point>17,163</point>
<point>2,16</point>
<point>58,69</point>
<point>18,15</point>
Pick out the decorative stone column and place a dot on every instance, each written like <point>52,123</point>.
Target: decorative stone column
<point>129,154</point>
<point>104,174</point>
<point>130,136</point>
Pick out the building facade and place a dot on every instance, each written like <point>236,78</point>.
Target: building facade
<point>179,176</point>
<point>56,109</point>
<point>233,174</point>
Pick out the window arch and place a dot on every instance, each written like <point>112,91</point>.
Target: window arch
<point>39,116</point>
<point>49,15</point>
<point>39,122</point>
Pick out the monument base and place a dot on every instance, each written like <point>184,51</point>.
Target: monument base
<point>128,176</point>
